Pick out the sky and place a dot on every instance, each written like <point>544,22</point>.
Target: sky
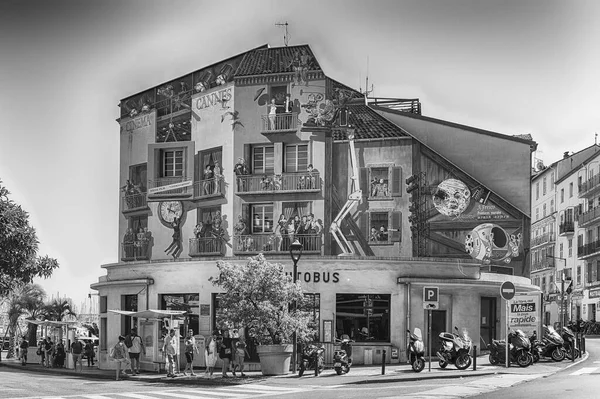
<point>511,67</point>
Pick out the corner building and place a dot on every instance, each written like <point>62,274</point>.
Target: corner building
<point>211,161</point>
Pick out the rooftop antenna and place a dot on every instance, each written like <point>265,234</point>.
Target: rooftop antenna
<point>286,36</point>
<point>367,91</point>
<point>596,139</point>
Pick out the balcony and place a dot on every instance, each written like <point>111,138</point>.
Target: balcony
<point>279,123</point>
<point>588,249</point>
<point>169,187</point>
<point>137,250</point>
<point>542,264</point>
<point>589,187</point>
<point>207,246</point>
<point>209,188</point>
<point>284,183</point>
<point>546,238</point>
<point>589,217</point>
<point>566,228</point>
<point>255,243</point>
<point>134,202</point>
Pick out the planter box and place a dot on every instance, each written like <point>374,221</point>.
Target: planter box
<point>275,359</point>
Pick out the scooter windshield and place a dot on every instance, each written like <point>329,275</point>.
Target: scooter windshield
<point>417,333</point>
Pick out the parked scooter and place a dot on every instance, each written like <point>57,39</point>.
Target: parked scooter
<point>415,350</point>
<point>342,358</point>
<point>551,345</point>
<point>519,350</point>
<point>455,349</point>
<point>569,343</point>
<point>312,358</point>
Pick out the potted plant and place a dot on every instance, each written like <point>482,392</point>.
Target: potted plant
<point>259,296</point>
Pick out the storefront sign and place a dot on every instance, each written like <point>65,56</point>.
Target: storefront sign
<point>525,313</point>
<point>317,277</point>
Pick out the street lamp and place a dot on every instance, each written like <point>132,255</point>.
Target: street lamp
<point>295,253</point>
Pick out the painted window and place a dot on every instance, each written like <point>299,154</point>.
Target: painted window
<point>312,305</point>
<point>543,287</point>
<point>262,218</point>
<point>138,176</point>
<point>364,317</point>
<point>263,159</point>
<point>296,157</point>
<point>172,163</point>
<point>189,302</point>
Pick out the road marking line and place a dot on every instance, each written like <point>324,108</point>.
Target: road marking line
<point>584,370</point>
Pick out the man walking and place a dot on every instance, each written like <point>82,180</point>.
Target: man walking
<point>169,351</point>
<point>24,345</point>
<point>77,352</point>
<point>137,347</point>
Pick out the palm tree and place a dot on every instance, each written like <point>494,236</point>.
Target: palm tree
<point>57,310</point>
<point>14,312</point>
<point>32,301</point>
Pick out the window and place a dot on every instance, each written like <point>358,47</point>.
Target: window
<point>544,186</point>
<point>188,302</point>
<point>364,317</point>
<point>296,157</point>
<point>130,303</point>
<point>537,190</point>
<point>562,195</point>
<point>381,182</point>
<point>103,304</point>
<point>578,275</point>
<point>138,176</point>
<point>589,272</point>
<point>543,284</point>
<point>138,222</point>
<point>382,227</point>
<point>103,334</point>
<point>560,250</point>
<point>551,206</point>
<point>580,180</point>
<point>171,163</point>
<point>262,218</point>
<point>537,213</point>
<point>571,190</point>
<point>597,271</point>
<point>570,247</point>
<point>263,159</point>
<point>544,211</point>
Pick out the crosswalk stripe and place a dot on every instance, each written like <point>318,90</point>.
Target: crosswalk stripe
<point>183,396</point>
<point>584,370</point>
<point>95,397</point>
<point>216,392</point>
<point>136,396</point>
<point>264,387</point>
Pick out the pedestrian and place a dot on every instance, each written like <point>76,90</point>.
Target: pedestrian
<point>226,353</point>
<point>77,353</point>
<point>24,346</point>
<point>190,349</point>
<point>48,352</point>
<point>119,354</point>
<point>60,355</point>
<point>137,347</point>
<point>210,355</point>
<point>90,354</point>
<point>40,351</point>
<point>169,352</point>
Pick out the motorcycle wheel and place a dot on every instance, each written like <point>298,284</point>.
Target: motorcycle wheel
<point>347,369</point>
<point>418,365</point>
<point>570,357</point>
<point>302,368</point>
<point>558,355</point>
<point>463,361</point>
<point>443,364</point>
<point>536,356</point>
<point>320,366</point>
<point>523,359</point>
<point>493,360</point>
<point>338,370</point>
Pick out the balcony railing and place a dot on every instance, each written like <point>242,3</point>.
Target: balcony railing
<point>137,250</point>
<point>589,216</point>
<point>207,246</point>
<point>134,201</point>
<point>243,244</point>
<point>566,228</point>
<point>589,186</point>
<point>209,188</point>
<point>170,186</point>
<point>283,183</point>
<point>543,239</point>
<point>588,249</point>
<point>542,263</point>
<point>278,123</point>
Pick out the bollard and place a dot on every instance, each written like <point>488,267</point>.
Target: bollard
<point>383,363</point>
<point>582,344</point>
<point>317,367</point>
<point>475,358</point>
<point>573,352</point>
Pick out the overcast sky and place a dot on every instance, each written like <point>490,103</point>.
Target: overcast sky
<point>512,67</point>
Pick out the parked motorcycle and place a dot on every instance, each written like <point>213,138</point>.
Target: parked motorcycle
<point>342,358</point>
<point>455,349</point>
<point>519,351</point>
<point>312,359</point>
<point>569,343</point>
<point>551,345</point>
<point>415,350</point>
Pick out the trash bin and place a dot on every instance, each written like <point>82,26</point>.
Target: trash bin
<point>368,356</point>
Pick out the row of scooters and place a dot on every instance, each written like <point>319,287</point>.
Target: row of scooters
<point>457,348</point>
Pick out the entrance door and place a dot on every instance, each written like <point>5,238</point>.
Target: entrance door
<point>438,325</point>
<point>487,328</point>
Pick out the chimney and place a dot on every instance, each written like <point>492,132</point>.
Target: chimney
<point>566,155</point>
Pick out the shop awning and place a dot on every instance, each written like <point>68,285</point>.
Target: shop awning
<point>151,313</point>
<point>51,323</point>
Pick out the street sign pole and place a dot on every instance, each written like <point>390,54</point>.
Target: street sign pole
<point>429,337</point>
<point>507,343</point>
<point>507,291</point>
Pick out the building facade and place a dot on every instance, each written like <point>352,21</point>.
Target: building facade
<point>244,156</point>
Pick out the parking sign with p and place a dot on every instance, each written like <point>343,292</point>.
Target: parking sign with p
<point>431,297</point>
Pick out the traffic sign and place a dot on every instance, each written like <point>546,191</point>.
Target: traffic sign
<point>431,297</point>
<point>507,290</point>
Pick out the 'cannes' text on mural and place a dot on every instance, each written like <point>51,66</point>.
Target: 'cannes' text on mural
<point>217,97</point>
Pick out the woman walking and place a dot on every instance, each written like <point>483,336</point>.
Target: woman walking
<point>210,354</point>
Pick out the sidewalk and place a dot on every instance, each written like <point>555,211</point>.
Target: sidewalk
<point>358,374</point>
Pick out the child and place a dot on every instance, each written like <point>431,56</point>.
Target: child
<point>240,353</point>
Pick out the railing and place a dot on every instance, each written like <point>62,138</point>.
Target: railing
<point>283,183</point>
<point>588,185</point>
<point>543,263</point>
<point>311,243</point>
<point>166,181</point>
<point>589,216</point>
<point>566,228</point>
<point>543,239</point>
<point>206,246</point>
<point>412,106</point>
<point>137,250</point>
<point>134,201</point>
<point>588,249</point>
<point>214,187</point>
<point>280,122</point>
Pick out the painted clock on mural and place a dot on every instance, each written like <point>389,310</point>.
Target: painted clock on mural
<point>169,210</point>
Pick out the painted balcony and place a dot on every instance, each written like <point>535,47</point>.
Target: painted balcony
<point>279,123</point>
<point>170,187</point>
<point>137,250</point>
<point>206,246</point>
<point>281,183</point>
<point>209,188</point>
<point>265,243</point>
<point>134,202</point>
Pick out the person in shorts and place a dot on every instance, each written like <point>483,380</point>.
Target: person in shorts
<point>23,352</point>
<point>137,347</point>
<point>77,352</point>
<point>239,355</point>
<point>190,349</point>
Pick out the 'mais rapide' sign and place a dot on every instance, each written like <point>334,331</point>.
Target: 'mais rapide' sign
<point>525,313</point>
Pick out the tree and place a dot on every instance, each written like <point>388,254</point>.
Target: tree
<point>57,310</point>
<point>32,300</point>
<point>19,263</point>
<point>258,295</point>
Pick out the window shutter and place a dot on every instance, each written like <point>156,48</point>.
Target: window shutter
<point>197,170</point>
<point>364,181</point>
<point>364,224</point>
<point>397,226</point>
<point>248,157</point>
<point>397,181</point>
<point>246,217</point>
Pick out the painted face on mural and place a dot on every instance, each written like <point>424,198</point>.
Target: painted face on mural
<point>452,197</point>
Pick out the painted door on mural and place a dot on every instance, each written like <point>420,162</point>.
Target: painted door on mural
<point>487,328</point>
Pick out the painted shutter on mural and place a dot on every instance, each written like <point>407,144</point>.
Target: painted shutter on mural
<point>248,157</point>
<point>364,224</point>
<point>397,181</point>
<point>397,226</point>
<point>246,217</point>
<point>364,181</point>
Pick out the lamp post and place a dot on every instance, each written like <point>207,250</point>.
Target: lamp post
<point>295,253</point>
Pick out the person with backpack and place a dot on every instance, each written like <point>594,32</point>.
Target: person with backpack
<point>88,349</point>
<point>135,345</point>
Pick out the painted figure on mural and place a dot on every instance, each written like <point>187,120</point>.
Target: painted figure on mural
<point>218,175</point>
<point>128,243</point>
<point>241,169</point>
<point>240,231</point>
<point>273,114</point>
<point>312,176</point>
<point>301,65</point>
<point>207,180</point>
<point>175,248</point>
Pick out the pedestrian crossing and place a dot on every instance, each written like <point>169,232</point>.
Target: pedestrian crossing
<point>586,371</point>
<point>245,391</point>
